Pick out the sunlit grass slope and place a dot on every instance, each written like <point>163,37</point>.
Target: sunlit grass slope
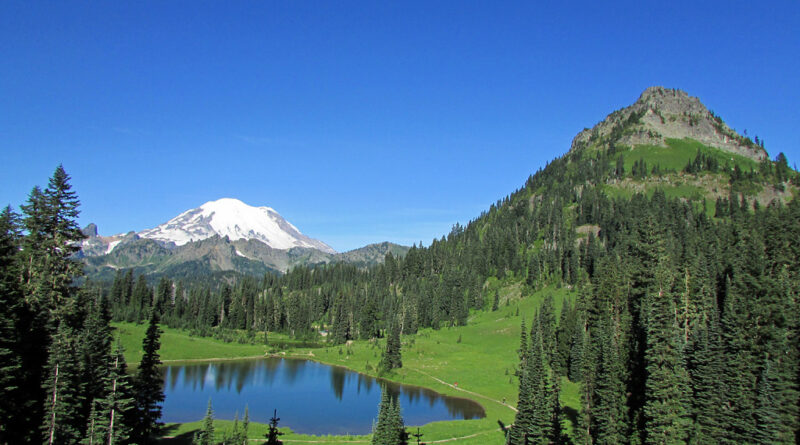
<point>476,361</point>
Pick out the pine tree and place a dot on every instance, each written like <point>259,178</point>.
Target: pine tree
<point>11,379</point>
<point>392,357</point>
<point>206,435</point>
<point>667,398</point>
<point>148,386</point>
<point>496,301</point>
<point>390,428</point>
<point>767,408</point>
<point>64,420</point>
<point>96,349</point>
<point>380,429</point>
<point>522,421</point>
<point>540,430</point>
<point>108,422</point>
<point>609,413</point>
<point>273,433</point>
<point>48,269</point>
<point>245,425</point>
<point>708,390</point>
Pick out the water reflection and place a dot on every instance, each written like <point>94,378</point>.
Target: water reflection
<point>310,397</point>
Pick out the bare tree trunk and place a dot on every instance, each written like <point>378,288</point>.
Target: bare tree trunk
<point>55,399</point>
<point>114,398</point>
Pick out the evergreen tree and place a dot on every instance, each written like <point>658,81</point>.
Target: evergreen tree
<point>148,386</point>
<point>108,422</point>
<point>206,435</point>
<point>522,421</point>
<point>48,270</point>
<point>390,429</point>
<point>96,348</point>
<point>609,412</point>
<point>11,379</point>
<point>273,433</point>
<point>64,421</point>
<point>391,357</point>
<point>667,398</point>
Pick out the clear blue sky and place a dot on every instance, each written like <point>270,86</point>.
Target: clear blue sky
<point>358,121</point>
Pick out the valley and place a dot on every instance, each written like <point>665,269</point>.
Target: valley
<point>479,367</point>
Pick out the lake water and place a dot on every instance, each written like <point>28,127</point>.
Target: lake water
<point>310,397</point>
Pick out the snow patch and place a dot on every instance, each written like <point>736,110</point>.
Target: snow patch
<point>112,245</point>
<point>236,220</point>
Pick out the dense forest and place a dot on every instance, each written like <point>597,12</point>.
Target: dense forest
<point>685,327</point>
<point>63,379</point>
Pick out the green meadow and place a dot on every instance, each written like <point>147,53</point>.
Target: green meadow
<point>678,153</point>
<point>476,361</point>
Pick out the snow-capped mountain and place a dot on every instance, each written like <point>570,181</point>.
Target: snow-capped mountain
<point>236,220</point>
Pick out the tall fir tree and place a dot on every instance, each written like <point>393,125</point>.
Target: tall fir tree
<point>390,428</point>
<point>12,404</point>
<point>48,270</point>
<point>64,421</point>
<point>206,435</point>
<point>148,386</point>
<point>667,398</point>
<point>111,412</point>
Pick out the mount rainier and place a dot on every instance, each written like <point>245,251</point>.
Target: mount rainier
<point>225,236</point>
<point>236,220</point>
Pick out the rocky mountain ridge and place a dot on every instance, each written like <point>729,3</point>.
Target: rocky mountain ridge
<point>663,113</point>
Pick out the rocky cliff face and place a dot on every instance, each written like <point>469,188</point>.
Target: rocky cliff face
<point>661,113</point>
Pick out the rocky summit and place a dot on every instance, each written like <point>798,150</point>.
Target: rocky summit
<point>664,113</point>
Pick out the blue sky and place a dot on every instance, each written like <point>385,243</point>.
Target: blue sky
<point>358,121</point>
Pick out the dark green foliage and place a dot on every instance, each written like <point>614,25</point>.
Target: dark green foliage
<point>273,433</point>
<point>148,387</point>
<point>64,418</point>
<point>390,428</point>
<point>11,306</point>
<point>206,434</point>
<point>391,357</point>
<point>111,410</point>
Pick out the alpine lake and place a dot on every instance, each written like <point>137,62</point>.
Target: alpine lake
<point>310,397</point>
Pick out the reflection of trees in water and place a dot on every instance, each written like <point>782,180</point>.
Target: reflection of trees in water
<point>269,370</point>
<point>235,374</point>
<point>457,407</point>
<point>365,381</point>
<point>338,376</point>
<point>172,376</point>
<point>293,369</point>
<point>195,375</point>
<point>238,374</point>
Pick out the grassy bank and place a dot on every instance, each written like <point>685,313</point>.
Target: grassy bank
<point>476,361</point>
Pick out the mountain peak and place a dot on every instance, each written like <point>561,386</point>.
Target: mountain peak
<point>232,218</point>
<point>667,113</point>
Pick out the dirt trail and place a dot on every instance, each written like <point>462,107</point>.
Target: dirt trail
<point>464,390</point>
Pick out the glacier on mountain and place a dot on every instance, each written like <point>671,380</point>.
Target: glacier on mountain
<point>228,217</point>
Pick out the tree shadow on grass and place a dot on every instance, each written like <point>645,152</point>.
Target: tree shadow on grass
<point>572,415</point>
<point>168,436</point>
